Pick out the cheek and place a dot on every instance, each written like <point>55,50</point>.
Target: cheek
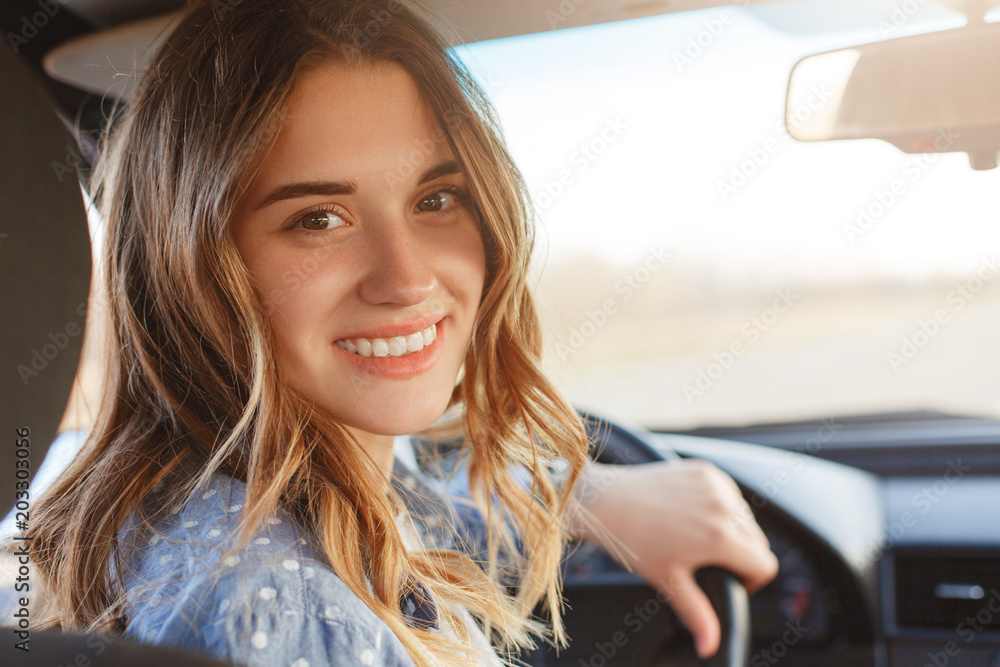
<point>287,288</point>
<point>280,287</point>
<point>283,273</point>
<point>468,258</point>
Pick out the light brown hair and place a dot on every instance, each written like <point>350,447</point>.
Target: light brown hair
<point>191,376</point>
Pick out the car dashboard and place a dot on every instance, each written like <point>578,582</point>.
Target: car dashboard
<point>887,534</point>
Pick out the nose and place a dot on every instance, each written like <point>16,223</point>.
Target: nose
<point>399,270</point>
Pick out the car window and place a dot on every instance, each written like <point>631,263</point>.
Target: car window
<point>698,266</point>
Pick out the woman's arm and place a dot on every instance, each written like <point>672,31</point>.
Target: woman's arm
<point>664,521</point>
<point>667,520</point>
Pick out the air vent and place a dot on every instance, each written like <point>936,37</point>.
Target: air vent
<point>947,591</point>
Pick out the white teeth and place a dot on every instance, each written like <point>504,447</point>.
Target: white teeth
<point>397,346</point>
<point>364,347</point>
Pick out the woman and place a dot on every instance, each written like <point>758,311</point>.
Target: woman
<point>317,241</point>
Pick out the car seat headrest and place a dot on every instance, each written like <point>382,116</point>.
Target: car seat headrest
<point>44,269</point>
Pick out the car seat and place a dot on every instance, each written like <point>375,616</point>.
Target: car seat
<point>44,282</point>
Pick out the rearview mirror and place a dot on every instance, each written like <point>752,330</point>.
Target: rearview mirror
<point>938,93</point>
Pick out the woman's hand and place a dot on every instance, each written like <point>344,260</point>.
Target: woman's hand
<point>667,520</point>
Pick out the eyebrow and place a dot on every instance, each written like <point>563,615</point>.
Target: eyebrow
<point>306,189</point>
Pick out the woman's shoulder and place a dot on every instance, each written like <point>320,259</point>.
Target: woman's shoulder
<point>272,602</point>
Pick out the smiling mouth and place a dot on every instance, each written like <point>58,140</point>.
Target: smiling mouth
<point>397,346</point>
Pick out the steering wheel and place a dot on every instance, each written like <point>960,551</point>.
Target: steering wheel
<point>600,596</point>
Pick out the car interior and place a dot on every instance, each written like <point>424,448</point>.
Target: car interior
<point>769,240</point>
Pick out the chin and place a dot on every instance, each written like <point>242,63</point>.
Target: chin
<point>398,424</point>
<point>396,415</point>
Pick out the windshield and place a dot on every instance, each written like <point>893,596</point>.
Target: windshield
<point>697,266</point>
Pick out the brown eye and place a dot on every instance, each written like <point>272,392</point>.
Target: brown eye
<point>439,201</point>
<point>317,221</point>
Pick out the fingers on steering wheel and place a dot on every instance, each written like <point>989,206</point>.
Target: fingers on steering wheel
<point>691,605</point>
<point>749,556</point>
<point>743,518</point>
<point>742,547</point>
<point>752,561</point>
<point>766,569</point>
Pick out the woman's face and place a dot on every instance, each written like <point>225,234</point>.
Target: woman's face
<point>363,244</point>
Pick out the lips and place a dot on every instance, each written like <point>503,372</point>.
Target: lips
<point>395,352</point>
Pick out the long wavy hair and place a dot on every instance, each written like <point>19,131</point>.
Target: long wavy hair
<point>191,374</point>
